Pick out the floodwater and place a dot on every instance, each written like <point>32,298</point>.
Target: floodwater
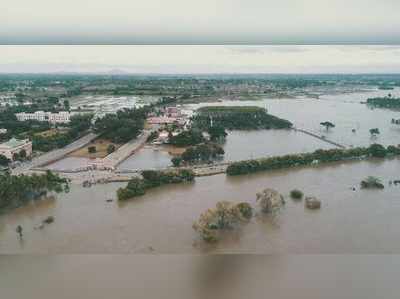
<point>239,145</point>
<point>344,110</point>
<point>350,222</point>
<point>69,164</point>
<point>194,276</point>
<point>148,157</point>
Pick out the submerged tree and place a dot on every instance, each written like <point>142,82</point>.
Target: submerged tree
<point>372,182</point>
<point>374,131</point>
<point>226,215</point>
<point>327,125</point>
<point>270,200</point>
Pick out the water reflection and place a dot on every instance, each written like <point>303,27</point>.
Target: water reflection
<point>188,276</point>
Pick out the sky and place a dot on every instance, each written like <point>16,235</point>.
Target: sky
<point>199,21</point>
<point>180,59</point>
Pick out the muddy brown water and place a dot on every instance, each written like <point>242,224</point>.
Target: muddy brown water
<point>361,221</point>
<point>193,276</point>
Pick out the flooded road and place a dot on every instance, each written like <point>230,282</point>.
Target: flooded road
<point>361,221</point>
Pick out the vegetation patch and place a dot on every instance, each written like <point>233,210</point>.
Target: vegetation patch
<point>199,154</point>
<point>238,118</point>
<point>372,182</point>
<point>122,126</point>
<point>187,138</point>
<point>103,147</point>
<point>77,127</point>
<point>18,190</point>
<point>319,156</point>
<point>151,179</point>
<point>384,102</point>
<point>296,194</point>
<point>225,216</point>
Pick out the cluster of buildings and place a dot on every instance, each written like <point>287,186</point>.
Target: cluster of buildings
<point>171,115</point>
<point>12,147</point>
<point>8,99</point>
<point>167,116</point>
<point>53,118</point>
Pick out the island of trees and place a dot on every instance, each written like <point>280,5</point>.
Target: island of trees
<point>18,190</point>
<point>320,156</point>
<point>238,118</point>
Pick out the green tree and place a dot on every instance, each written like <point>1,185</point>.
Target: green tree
<point>67,105</point>
<point>4,161</point>
<point>217,132</point>
<point>176,161</point>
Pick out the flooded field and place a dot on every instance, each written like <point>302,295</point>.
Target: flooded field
<point>344,110</point>
<point>360,221</point>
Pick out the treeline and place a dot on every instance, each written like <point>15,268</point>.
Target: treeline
<point>17,190</point>
<point>77,127</point>
<point>123,126</point>
<point>384,102</point>
<point>238,118</point>
<point>322,156</point>
<point>151,179</point>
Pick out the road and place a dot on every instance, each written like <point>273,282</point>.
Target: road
<point>127,150</point>
<point>54,155</point>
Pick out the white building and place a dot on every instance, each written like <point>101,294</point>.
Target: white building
<point>54,118</point>
<point>14,146</point>
<point>3,131</point>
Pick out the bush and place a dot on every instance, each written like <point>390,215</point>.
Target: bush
<point>92,149</point>
<point>176,161</point>
<point>372,182</point>
<point>296,194</point>
<point>4,161</point>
